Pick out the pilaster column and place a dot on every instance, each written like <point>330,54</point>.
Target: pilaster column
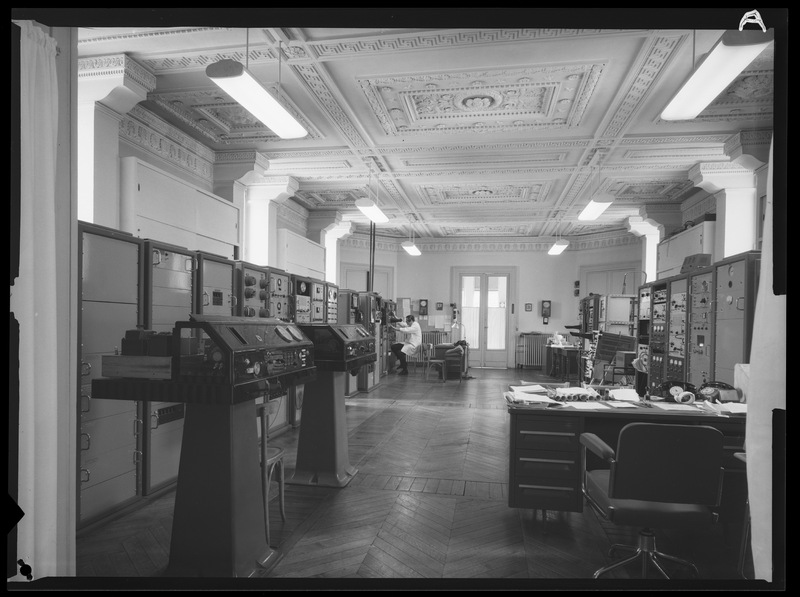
<point>109,87</point>
<point>326,228</point>
<point>651,232</point>
<point>261,197</point>
<point>734,189</point>
<point>333,234</point>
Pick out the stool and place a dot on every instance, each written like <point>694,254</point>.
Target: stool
<point>271,461</point>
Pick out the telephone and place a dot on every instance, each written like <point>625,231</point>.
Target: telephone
<point>719,391</point>
<point>678,391</point>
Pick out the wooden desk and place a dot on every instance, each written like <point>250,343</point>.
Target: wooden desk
<point>545,454</point>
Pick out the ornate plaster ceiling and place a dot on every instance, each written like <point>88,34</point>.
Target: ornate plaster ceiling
<point>459,133</point>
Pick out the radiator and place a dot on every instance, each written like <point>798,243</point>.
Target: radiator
<point>431,337</point>
<point>530,350</point>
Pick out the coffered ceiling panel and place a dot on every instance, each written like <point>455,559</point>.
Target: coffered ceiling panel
<point>476,130</point>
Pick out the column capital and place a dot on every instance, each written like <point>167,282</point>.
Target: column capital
<point>117,81</point>
<point>749,149</point>
<point>231,167</point>
<point>640,226</point>
<point>713,177</point>
<point>666,216</point>
<point>320,223</point>
<point>274,188</point>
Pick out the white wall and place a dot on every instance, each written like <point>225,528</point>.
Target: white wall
<point>541,276</point>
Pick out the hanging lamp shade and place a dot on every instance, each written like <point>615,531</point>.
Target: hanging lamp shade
<point>558,247</point>
<point>370,209</point>
<point>411,248</point>
<point>596,206</point>
<point>239,83</point>
<point>734,51</point>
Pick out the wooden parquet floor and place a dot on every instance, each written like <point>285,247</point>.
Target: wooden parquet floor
<point>427,509</point>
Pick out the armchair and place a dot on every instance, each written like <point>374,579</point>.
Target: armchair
<point>659,476</point>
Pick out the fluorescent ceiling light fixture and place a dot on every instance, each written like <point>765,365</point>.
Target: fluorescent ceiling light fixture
<point>235,80</point>
<point>371,210</point>
<point>558,247</point>
<point>411,248</point>
<point>729,57</point>
<point>596,206</point>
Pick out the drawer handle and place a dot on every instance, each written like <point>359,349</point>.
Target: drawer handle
<point>559,433</point>
<point>547,460</point>
<point>546,487</point>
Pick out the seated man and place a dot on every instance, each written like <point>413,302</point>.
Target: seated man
<point>410,346</point>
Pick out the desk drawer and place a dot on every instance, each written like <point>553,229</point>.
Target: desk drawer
<point>545,464</point>
<point>552,441</point>
<point>545,494</point>
<point>548,423</point>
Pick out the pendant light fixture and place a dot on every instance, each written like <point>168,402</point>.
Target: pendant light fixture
<point>238,82</point>
<point>410,247</point>
<point>558,247</point>
<point>369,207</point>
<point>734,51</point>
<point>598,203</point>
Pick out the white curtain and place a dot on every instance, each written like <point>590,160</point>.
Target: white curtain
<point>766,392</point>
<point>33,301</point>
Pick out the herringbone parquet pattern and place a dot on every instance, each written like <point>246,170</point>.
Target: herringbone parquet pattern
<point>429,502</point>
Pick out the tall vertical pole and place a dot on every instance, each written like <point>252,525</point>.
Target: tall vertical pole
<point>371,274</point>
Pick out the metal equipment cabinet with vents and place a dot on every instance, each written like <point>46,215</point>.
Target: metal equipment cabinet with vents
<point>109,431</point>
<point>170,286</point>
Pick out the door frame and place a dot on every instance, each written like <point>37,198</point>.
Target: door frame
<point>510,271</point>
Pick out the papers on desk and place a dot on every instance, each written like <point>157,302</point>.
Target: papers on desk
<point>725,408</point>
<point>674,406</point>
<point>591,405</point>
<point>734,408</point>
<point>527,398</point>
<point>621,404</point>
<point>573,392</point>
<point>625,394</point>
<point>529,389</point>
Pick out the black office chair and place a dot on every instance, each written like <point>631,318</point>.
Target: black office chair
<point>661,476</point>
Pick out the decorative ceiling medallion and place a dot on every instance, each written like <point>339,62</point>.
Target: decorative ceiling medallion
<point>477,194</point>
<point>753,88</point>
<point>495,100</point>
<point>478,230</point>
<point>474,103</point>
<point>508,102</point>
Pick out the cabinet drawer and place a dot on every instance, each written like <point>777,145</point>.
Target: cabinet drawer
<point>553,441</point>
<point>547,464</point>
<point>548,423</point>
<point>545,494</point>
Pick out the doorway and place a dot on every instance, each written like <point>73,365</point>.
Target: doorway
<point>483,299</point>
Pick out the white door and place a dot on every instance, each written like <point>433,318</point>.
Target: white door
<point>484,317</point>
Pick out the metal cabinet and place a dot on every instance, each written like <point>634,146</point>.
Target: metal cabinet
<point>109,432</point>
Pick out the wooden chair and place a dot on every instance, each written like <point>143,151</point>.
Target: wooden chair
<point>430,362</point>
<point>442,364</point>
